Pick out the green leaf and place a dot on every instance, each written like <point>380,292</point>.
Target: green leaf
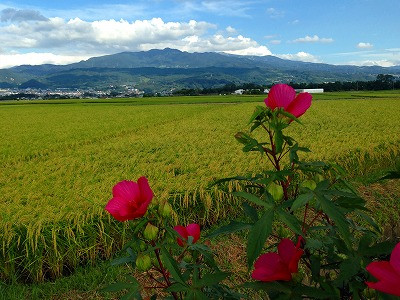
<point>250,211</point>
<point>369,220</point>
<point>211,279</point>
<point>312,292</point>
<point>253,198</point>
<point>314,244</point>
<point>278,138</point>
<point>290,220</point>
<point>233,226</point>
<point>123,260</point>
<point>196,295</point>
<point>391,175</point>
<point>377,249</point>
<point>257,112</point>
<point>289,115</point>
<point>177,287</point>
<point>171,265</point>
<point>336,215</point>
<point>348,268</point>
<point>301,200</point>
<point>258,236</point>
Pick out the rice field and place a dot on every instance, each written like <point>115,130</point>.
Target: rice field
<point>60,160</point>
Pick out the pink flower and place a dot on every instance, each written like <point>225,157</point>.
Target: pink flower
<point>278,266</point>
<point>283,95</point>
<point>192,230</point>
<point>130,199</point>
<point>387,273</point>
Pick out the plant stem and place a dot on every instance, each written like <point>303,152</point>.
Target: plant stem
<point>162,269</point>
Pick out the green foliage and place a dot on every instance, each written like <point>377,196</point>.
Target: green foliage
<point>56,171</point>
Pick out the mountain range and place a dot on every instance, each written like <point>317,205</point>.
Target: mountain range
<point>161,70</point>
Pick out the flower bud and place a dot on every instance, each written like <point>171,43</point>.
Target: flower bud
<point>275,190</point>
<point>143,262</point>
<point>187,258</point>
<point>165,209</point>
<point>309,184</point>
<point>150,232</point>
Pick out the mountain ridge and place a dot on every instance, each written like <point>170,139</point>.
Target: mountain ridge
<point>157,70</point>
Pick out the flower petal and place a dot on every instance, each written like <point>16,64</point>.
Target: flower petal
<point>118,208</point>
<point>183,233</point>
<point>194,231</point>
<point>280,95</point>
<point>395,259</point>
<point>286,250</point>
<point>300,104</point>
<point>145,189</point>
<point>270,267</point>
<point>383,271</point>
<point>385,287</point>
<point>127,190</point>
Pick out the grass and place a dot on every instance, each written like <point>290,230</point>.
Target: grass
<point>60,161</point>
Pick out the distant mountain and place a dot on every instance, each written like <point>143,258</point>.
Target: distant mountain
<point>158,70</point>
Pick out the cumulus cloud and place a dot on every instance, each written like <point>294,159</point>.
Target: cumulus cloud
<point>300,56</point>
<point>14,15</point>
<point>313,39</point>
<point>10,60</point>
<point>362,45</point>
<point>230,29</point>
<point>78,38</point>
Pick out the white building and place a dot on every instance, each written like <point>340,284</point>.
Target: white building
<point>239,92</point>
<point>311,91</point>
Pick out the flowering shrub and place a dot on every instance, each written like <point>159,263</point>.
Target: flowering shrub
<point>292,199</point>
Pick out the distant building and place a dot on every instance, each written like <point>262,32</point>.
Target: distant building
<point>266,91</point>
<point>239,92</point>
<point>311,91</point>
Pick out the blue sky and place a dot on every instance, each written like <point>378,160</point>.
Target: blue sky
<point>359,32</point>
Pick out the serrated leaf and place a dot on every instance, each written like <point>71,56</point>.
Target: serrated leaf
<point>290,221</point>
<point>278,139</point>
<point>177,287</point>
<point>250,211</point>
<point>233,226</point>
<point>336,215</point>
<point>258,236</point>
<point>171,265</point>
<point>123,260</point>
<point>211,279</point>
<point>253,198</point>
<point>301,200</point>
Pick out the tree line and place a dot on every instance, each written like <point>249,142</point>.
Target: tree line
<point>382,82</point>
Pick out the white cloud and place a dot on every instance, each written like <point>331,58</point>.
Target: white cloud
<point>362,45</point>
<point>15,15</point>
<point>10,60</point>
<point>313,39</point>
<point>75,39</point>
<point>381,63</point>
<point>230,29</point>
<point>254,51</point>
<point>300,56</point>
